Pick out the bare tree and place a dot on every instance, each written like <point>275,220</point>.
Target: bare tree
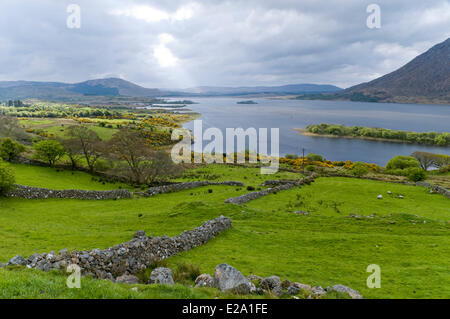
<point>143,164</point>
<point>127,145</point>
<point>73,150</point>
<point>441,160</point>
<point>162,167</point>
<point>425,159</point>
<point>10,127</point>
<point>90,144</point>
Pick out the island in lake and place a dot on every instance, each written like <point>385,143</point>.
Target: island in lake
<point>376,133</point>
<point>247,102</point>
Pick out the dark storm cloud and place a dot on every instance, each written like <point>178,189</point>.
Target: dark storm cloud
<point>232,43</point>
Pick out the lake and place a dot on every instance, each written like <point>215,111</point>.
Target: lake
<point>223,112</point>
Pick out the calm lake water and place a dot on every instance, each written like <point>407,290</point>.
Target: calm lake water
<point>289,114</point>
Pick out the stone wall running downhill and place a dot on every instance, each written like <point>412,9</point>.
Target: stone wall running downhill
<point>435,188</point>
<point>30,192</point>
<point>283,185</point>
<point>129,257</point>
<point>277,182</point>
<point>187,185</point>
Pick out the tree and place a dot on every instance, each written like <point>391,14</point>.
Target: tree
<point>441,160</point>
<point>10,149</point>
<point>425,159</point>
<point>49,151</point>
<point>10,127</point>
<point>143,164</point>
<point>162,167</point>
<point>129,146</point>
<point>89,142</point>
<point>73,150</point>
<point>6,179</point>
<point>402,162</point>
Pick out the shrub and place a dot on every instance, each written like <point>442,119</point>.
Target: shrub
<point>314,157</point>
<point>360,169</point>
<point>250,188</point>
<point>10,149</point>
<point>6,178</point>
<point>402,162</point>
<point>310,168</point>
<point>416,174</point>
<point>186,273</point>
<point>291,156</point>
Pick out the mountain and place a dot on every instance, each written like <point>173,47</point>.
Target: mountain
<point>268,90</point>
<point>58,90</point>
<point>426,79</point>
<point>114,86</point>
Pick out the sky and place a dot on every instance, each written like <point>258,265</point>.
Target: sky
<point>183,43</point>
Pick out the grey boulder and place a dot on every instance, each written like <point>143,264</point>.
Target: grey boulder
<point>17,260</point>
<point>128,279</point>
<point>161,275</point>
<point>204,280</point>
<point>354,294</point>
<point>229,279</point>
<point>270,283</point>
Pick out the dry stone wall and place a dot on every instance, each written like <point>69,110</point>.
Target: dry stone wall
<point>435,188</point>
<point>129,257</point>
<point>283,185</point>
<point>29,192</point>
<point>187,185</point>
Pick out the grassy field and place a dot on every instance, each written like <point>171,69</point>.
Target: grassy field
<point>59,179</point>
<point>104,133</point>
<point>251,176</point>
<point>58,127</point>
<point>30,283</point>
<point>408,238</point>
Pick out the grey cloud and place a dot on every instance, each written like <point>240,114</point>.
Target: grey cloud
<point>234,43</point>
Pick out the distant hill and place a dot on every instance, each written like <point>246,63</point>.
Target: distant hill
<point>118,87</point>
<point>57,90</point>
<point>258,90</point>
<point>115,86</point>
<point>426,79</point>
